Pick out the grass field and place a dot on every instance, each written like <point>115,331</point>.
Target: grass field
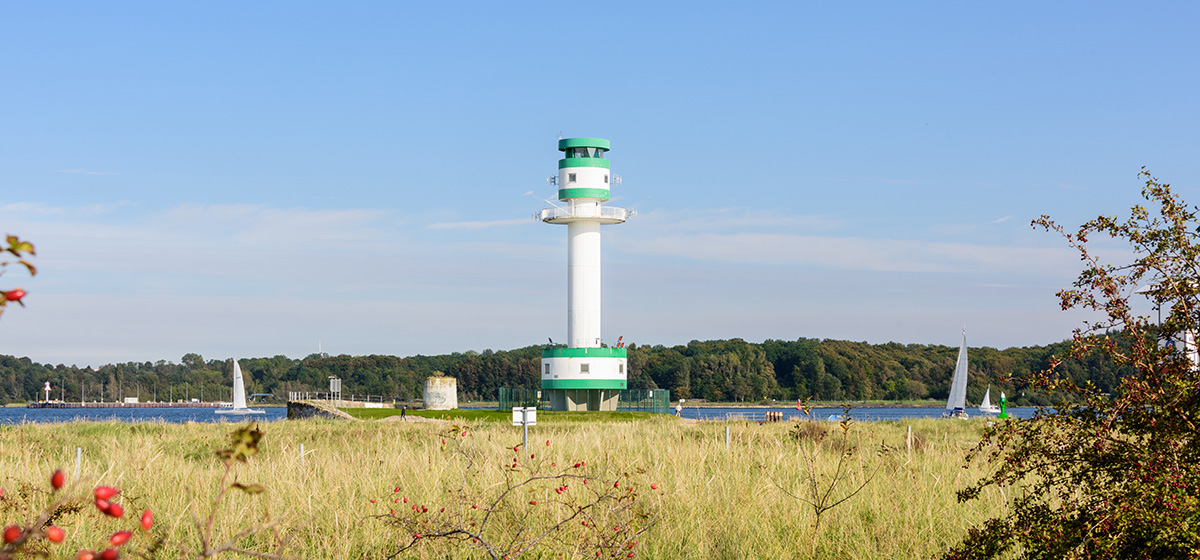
<point>710,502</point>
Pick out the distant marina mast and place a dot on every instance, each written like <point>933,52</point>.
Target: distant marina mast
<point>586,374</point>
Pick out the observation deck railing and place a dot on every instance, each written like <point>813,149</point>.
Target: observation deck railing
<point>604,213</point>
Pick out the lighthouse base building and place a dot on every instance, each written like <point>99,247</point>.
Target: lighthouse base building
<point>583,378</point>
<point>586,374</point>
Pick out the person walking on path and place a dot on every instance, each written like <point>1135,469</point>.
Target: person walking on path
<point>679,410</point>
<point>403,409</point>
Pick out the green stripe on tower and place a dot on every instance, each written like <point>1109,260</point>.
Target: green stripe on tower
<point>583,143</point>
<point>583,384</point>
<point>564,194</point>
<point>583,162</point>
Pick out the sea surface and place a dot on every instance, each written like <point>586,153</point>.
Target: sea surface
<point>858,414</point>
<point>18,415</point>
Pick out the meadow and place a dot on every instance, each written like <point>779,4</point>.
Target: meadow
<point>706,501</point>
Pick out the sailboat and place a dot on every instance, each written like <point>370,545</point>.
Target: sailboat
<point>986,407</point>
<point>957,403</point>
<point>239,395</point>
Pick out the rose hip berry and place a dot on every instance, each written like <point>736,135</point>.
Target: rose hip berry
<point>55,534</point>
<point>120,537</point>
<point>12,533</point>
<point>58,479</point>
<point>147,520</point>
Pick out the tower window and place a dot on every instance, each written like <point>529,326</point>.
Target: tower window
<point>585,152</point>
<point>546,369</point>
<point>605,178</point>
<point>583,368</point>
<point>570,177</point>
<point>621,368</point>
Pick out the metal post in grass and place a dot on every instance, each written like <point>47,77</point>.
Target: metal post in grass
<point>524,416</point>
<point>909,440</point>
<point>727,439</point>
<point>78,454</point>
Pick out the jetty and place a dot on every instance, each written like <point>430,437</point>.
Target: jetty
<point>60,404</point>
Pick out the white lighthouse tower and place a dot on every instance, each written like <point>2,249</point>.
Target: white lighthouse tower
<point>586,374</point>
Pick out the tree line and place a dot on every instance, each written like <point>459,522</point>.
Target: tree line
<point>719,370</point>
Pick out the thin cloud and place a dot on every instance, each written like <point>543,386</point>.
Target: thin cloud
<point>1002,220</point>
<point>902,181</point>
<point>737,218</point>
<point>39,209</point>
<point>478,224</point>
<point>85,172</point>
<point>854,253</point>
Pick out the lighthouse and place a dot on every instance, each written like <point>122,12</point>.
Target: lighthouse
<point>586,374</point>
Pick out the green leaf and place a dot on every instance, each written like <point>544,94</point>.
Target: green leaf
<point>249,488</point>
<point>243,444</point>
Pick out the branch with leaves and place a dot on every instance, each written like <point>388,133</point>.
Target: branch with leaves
<point>538,506</point>
<point>243,445</point>
<point>1111,475</point>
<point>22,250</point>
<point>818,489</point>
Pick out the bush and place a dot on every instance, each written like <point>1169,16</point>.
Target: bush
<point>1111,475</point>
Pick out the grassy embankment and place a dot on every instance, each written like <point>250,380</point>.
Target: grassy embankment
<point>711,503</point>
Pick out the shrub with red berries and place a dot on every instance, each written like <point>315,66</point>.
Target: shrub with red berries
<point>1110,474</point>
<point>540,508</point>
<point>20,540</point>
<point>22,250</point>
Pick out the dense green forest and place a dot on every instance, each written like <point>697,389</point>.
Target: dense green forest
<point>721,370</point>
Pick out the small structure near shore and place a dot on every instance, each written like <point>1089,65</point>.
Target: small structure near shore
<point>441,393</point>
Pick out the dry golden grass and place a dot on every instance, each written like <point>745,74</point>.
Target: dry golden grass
<point>711,503</point>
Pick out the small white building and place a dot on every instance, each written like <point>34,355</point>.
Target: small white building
<point>441,393</point>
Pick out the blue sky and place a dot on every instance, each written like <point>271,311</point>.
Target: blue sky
<point>247,179</point>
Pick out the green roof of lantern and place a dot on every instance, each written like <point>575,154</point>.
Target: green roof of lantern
<point>582,143</point>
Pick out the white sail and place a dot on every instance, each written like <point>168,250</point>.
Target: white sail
<point>986,406</point>
<point>958,387</point>
<point>239,386</point>
<point>239,395</point>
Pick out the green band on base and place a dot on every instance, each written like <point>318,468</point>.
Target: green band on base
<point>583,384</point>
<point>585,353</point>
